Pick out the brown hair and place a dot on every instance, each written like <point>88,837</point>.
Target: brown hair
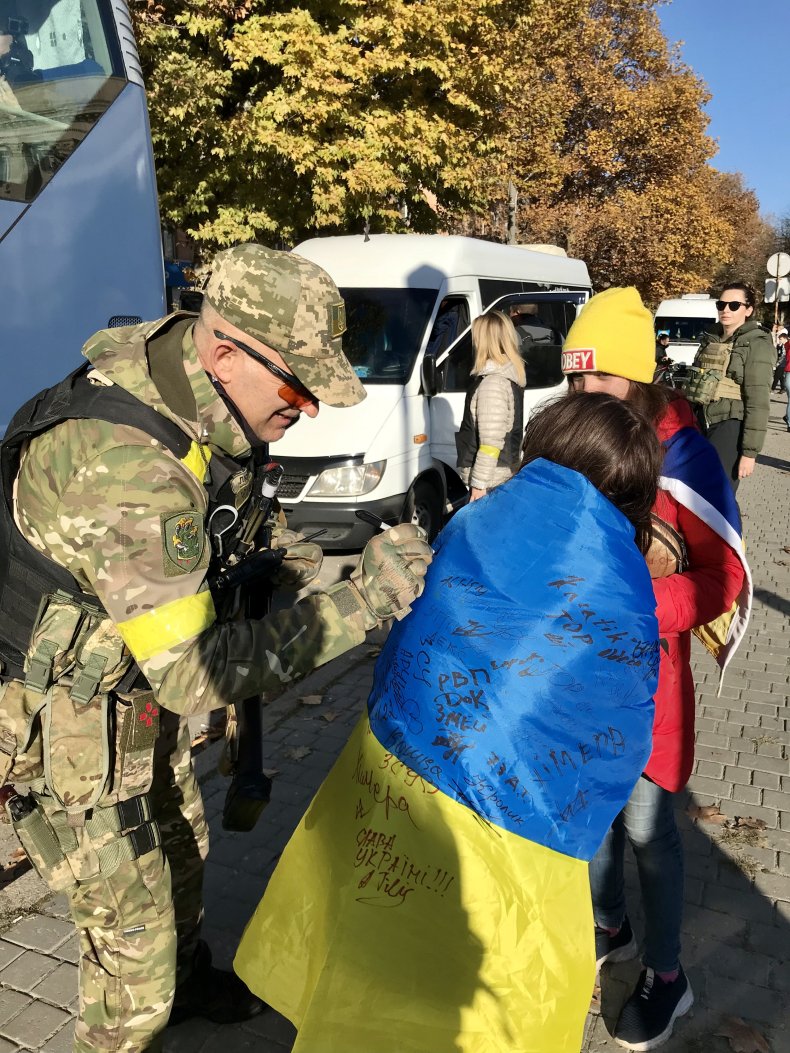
<point>652,399</point>
<point>742,286</point>
<point>609,441</point>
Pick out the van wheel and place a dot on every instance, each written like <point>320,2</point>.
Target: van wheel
<point>424,507</point>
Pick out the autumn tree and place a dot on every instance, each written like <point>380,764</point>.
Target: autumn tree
<point>274,120</point>
<point>754,238</point>
<point>615,167</point>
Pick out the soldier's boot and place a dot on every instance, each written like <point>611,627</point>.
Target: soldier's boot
<point>214,994</point>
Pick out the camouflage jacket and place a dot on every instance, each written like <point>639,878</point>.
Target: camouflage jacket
<point>127,519</point>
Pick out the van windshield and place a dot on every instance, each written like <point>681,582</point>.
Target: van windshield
<point>385,328</point>
<point>685,330</point>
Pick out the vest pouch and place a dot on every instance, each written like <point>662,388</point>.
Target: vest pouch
<point>701,385</point>
<point>76,748</point>
<point>136,732</point>
<point>100,659</point>
<point>50,655</point>
<point>21,754</point>
<point>43,847</point>
<point>8,741</point>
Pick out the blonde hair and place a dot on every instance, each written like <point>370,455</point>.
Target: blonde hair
<point>495,339</point>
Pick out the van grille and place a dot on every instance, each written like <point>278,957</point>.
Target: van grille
<point>292,486</point>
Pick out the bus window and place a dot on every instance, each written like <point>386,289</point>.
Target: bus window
<point>60,69</point>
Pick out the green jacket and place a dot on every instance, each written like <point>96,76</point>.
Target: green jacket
<point>752,367</point>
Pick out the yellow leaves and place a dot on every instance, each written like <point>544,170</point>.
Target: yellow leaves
<point>275,121</point>
<point>308,116</point>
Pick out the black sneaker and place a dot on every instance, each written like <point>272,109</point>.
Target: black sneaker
<point>650,1013</point>
<point>618,948</point>
<point>214,994</point>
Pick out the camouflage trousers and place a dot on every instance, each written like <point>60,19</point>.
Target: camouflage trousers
<point>138,926</point>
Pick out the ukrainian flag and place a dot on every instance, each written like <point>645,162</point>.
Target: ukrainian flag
<point>435,896</point>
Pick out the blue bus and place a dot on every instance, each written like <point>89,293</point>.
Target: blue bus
<point>80,240</point>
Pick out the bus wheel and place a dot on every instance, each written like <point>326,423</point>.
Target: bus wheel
<point>424,507</point>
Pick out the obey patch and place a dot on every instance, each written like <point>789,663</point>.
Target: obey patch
<point>582,360</point>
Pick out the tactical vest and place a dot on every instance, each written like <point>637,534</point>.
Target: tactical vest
<point>466,440</point>
<point>707,380</point>
<point>28,576</point>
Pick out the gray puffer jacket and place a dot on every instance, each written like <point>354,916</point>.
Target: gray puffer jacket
<point>493,411</point>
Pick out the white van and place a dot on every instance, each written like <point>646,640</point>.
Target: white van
<point>410,299</point>
<point>685,320</point>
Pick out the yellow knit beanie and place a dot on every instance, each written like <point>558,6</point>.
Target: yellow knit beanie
<point>612,334</point>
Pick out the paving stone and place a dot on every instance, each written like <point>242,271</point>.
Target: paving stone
<point>40,933</point>
<point>58,907</point>
<point>701,787</point>
<point>11,1003</point>
<point>769,780</point>
<point>7,1047</point>
<point>272,1026</point>
<point>732,773</point>
<point>748,794</point>
<point>191,1036</point>
<point>8,952</point>
<point>27,970</point>
<point>62,1041</point>
<point>37,1023</point>
<point>61,986</point>
<point>70,950</point>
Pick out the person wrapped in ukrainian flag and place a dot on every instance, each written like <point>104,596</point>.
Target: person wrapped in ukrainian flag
<point>435,896</point>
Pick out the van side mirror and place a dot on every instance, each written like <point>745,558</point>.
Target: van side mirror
<point>430,376</point>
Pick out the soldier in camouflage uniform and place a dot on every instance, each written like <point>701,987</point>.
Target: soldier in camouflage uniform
<point>118,822</point>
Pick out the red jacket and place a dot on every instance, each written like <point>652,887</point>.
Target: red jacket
<point>709,587</point>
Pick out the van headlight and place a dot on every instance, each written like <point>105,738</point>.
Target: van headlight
<point>352,480</point>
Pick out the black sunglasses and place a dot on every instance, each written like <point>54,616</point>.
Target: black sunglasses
<point>292,391</point>
<point>732,304</point>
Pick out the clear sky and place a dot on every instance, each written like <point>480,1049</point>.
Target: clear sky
<point>741,51</point>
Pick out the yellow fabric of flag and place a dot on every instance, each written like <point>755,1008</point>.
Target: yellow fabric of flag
<point>399,921</point>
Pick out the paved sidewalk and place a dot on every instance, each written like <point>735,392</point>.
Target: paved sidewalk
<point>737,925</point>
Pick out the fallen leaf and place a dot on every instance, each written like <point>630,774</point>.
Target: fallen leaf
<point>785,548</point>
<point>707,813</point>
<point>743,1037</point>
<point>311,700</point>
<point>271,773</point>
<point>746,821</point>
<point>595,1001</point>
<point>329,716</point>
<point>298,752</point>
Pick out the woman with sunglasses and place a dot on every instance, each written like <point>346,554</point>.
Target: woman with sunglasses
<point>734,409</point>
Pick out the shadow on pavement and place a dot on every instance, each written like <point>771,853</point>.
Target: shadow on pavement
<point>736,938</point>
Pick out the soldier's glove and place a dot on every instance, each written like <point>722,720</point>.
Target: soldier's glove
<point>301,564</point>
<point>390,574</point>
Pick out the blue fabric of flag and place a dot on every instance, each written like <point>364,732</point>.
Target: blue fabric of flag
<point>521,684</point>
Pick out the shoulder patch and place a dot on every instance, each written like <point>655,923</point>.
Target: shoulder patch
<point>184,541</point>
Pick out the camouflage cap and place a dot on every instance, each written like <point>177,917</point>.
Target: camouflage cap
<point>292,306</point>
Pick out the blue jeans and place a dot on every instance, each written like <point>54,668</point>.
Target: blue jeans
<point>648,820</point>
<point>787,390</point>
